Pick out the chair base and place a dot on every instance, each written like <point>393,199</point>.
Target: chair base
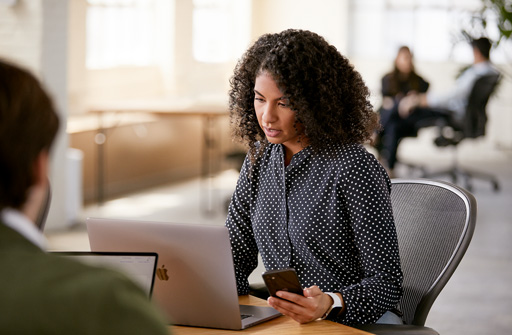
<point>418,171</point>
<point>384,329</point>
<point>456,173</point>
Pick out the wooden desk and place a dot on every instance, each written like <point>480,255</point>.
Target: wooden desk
<point>163,108</point>
<point>280,325</point>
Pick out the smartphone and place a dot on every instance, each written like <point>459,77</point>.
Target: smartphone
<point>282,280</point>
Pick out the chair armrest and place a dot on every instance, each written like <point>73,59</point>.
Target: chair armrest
<point>385,329</point>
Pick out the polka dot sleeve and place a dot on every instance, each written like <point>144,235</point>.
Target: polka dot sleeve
<point>368,205</point>
<point>243,244</point>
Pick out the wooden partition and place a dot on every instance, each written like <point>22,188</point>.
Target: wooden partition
<point>145,150</point>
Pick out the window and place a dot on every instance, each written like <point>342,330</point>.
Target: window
<point>432,28</point>
<point>221,29</point>
<point>120,33</point>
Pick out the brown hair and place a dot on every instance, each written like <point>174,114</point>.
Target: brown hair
<point>28,126</point>
<point>412,78</point>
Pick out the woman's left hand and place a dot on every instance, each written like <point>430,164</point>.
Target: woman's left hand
<point>302,309</point>
<point>407,105</point>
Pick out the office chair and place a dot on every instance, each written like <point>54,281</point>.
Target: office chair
<point>45,207</point>
<point>473,126</point>
<point>435,221</point>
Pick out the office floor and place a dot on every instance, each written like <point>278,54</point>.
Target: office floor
<point>477,299</point>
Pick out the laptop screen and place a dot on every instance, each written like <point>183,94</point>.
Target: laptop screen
<point>138,266</point>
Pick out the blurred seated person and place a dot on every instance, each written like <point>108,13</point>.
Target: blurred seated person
<point>41,293</point>
<point>400,82</point>
<point>421,110</point>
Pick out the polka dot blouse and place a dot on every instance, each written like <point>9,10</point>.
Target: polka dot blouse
<point>328,215</point>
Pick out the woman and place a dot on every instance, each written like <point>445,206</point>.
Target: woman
<point>397,84</point>
<point>309,195</point>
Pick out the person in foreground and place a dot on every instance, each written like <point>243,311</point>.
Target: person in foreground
<point>309,195</point>
<point>41,293</point>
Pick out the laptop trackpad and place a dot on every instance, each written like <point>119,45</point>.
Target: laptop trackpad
<point>252,315</point>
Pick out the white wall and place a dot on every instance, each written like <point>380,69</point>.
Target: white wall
<point>327,18</point>
<point>77,80</point>
<point>179,75</point>
<point>54,60</point>
<point>20,31</point>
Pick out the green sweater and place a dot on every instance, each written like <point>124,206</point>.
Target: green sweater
<point>41,293</point>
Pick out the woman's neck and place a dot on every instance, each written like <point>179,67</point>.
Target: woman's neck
<point>290,152</point>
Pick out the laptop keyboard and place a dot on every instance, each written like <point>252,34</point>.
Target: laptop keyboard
<point>245,316</point>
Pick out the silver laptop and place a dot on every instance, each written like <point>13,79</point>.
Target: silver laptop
<point>140,267</point>
<point>195,282</point>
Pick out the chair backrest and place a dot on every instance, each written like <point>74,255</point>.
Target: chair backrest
<point>435,222</point>
<point>45,207</point>
<point>476,116</point>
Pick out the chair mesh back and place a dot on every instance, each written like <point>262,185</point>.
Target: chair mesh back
<point>45,207</point>
<point>430,221</point>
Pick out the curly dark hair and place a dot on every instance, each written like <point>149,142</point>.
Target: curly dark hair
<point>328,95</point>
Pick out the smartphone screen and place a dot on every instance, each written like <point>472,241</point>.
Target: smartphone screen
<point>282,280</point>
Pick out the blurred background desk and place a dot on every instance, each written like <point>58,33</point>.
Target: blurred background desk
<point>281,325</point>
<point>111,115</point>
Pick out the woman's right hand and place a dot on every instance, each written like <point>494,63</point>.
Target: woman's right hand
<point>302,309</point>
